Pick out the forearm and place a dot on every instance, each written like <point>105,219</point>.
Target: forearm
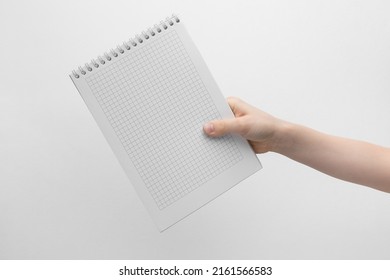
<point>346,159</point>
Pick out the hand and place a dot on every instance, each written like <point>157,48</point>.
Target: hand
<point>251,123</point>
<point>347,159</point>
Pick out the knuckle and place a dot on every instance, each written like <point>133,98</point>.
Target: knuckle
<point>233,99</point>
<point>221,128</point>
<point>242,125</point>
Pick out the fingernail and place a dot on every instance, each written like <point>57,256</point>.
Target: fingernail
<point>208,128</point>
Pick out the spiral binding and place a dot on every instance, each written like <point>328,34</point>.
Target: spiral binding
<point>125,46</point>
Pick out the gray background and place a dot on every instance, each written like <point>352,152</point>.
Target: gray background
<point>324,64</point>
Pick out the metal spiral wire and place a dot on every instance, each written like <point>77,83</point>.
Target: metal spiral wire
<point>125,47</point>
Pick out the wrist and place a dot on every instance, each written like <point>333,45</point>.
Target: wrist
<point>283,137</point>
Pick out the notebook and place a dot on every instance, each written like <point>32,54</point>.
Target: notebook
<point>151,96</point>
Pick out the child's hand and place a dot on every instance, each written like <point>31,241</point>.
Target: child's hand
<point>260,128</point>
<point>351,160</point>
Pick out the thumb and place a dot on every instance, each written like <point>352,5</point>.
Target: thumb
<point>217,128</point>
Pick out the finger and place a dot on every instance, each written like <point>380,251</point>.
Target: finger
<point>238,106</point>
<point>217,128</point>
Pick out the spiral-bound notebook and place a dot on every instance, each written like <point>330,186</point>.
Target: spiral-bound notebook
<point>150,97</point>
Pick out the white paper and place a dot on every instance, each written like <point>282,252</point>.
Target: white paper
<point>151,103</point>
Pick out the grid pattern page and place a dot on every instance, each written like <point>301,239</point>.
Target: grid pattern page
<point>156,103</point>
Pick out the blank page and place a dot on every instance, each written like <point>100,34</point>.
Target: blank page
<point>151,103</point>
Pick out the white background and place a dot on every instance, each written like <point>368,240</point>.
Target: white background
<point>63,195</point>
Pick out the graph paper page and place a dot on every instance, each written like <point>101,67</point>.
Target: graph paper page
<point>151,103</point>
